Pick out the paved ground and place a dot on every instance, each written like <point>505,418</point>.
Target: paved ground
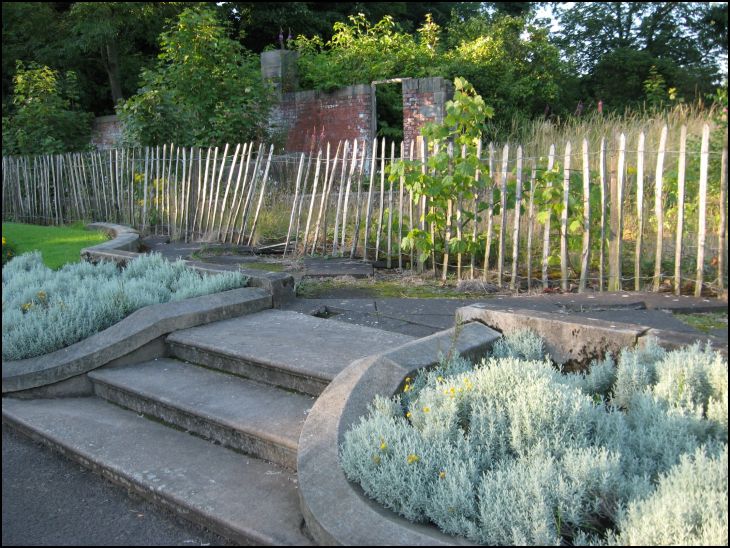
<point>48,500</point>
<point>422,317</point>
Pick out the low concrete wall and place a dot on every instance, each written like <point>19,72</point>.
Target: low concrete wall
<point>574,341</point>
<point>336,511</point>
<point>124,247</point>
<point>133,332</point>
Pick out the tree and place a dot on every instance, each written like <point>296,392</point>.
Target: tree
<point>206,88</point>
<point>512,64</point>
<point>116,35</point>
<point>258,24</point>
<point>22,40</point>
<point>46,118</point>
<point>452,175</point>
<point>613,46</point>
<point>360,52</point>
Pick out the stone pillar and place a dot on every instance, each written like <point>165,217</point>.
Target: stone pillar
<point>280,68</point>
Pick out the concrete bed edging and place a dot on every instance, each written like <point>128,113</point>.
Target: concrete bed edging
<point>124,247</point>
<point>335,510</point>
<point>131,333</point>
<point>574,340</point>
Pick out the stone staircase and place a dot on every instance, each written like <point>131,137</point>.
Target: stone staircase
<point>212,430</point>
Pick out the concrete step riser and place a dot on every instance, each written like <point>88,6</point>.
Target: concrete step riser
<point>244,499</point>
<point>119,477</point>
<point>201,426</point>
<point>258,371</point>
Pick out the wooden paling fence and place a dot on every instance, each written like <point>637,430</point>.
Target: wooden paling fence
<point>577,213</point>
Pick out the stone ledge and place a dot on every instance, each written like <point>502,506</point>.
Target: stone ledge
<point>570,340</point>
<point>124,247</point>
<point>335,510</point>
<point>133,332</point>
<point>573,340</point>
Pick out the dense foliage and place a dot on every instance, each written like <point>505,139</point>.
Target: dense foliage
<point>206,88</point>
<point>456,173</point>
<point>512,451</point>
<point>617,55</point>
<point>46,118</point>
<point>44,310</point>
<point>510,62</point>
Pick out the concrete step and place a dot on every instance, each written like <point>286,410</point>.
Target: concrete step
<point>252,417</point>
<point>242,498</point>
<point>283,348</point>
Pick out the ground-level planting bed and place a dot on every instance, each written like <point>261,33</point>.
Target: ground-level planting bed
<point>514,451</point>
<point>45,310</point>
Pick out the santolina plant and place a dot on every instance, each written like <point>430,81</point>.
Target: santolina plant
<point>513,451</point>
<point>44,310</point>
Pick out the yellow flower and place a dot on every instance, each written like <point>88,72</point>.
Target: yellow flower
<point>26,306</point>
<point>440,379</point>
<point>408,415</point>
<point>426,409</point>
<point>412,458</point>
<point>383,445</point>
<point>442,474</point>
<point>42,295</point>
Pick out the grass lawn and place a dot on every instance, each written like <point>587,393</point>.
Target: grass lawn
<point>705,322</point>
<point>58,245</point>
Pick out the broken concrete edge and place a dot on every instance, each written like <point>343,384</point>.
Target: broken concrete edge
<point>133,332</point>
<point>575,341</point>
<point>125,244</point>
<point>335,510</point>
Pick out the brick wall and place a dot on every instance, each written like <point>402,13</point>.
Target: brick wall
<point>106,132</point>
<point>344,114</point>
<point>423,102</point>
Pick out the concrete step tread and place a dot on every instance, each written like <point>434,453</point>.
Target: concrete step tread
<point>299,343</point>
<point>239,404</point>
<point>242,498</point>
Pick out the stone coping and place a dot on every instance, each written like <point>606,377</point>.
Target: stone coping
<point>134,331</point>
<point>573,340</point>
<point>336,511</point>
<point>125,244</point>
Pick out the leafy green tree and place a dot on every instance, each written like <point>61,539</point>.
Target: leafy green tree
<point>360,52</point>
<point>512,64</point>
<point>45,118</point>
<point>258,24</point>
<point>119,36</point>
<point>206,88</point>
<point>452,175</point>
<point>614,45</point>
<point>23,40</point>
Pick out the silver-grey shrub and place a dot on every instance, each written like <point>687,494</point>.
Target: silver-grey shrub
<point>45,310</point>
<point>512,451</point>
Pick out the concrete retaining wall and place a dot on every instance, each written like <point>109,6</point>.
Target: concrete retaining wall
<point>336,511</point>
